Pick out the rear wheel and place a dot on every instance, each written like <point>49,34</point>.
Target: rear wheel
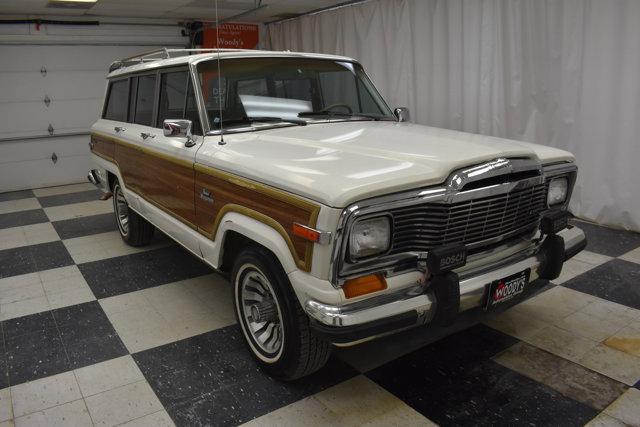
<point>134,230</point>
<point>274,326</point>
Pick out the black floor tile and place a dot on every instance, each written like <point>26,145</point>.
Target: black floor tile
<point>18,219</point>
<point>211,379</point>
<point>85,226</point>
<point>454,382</point>
<point>143,270</point>
<point>28,324</point>
<point>16,195</point>
<point>67,199</point>
<point>608,241</point>
<point>35,355</point>
<point>87,335</point>
<point>616,280</point>
<point>29,259</point>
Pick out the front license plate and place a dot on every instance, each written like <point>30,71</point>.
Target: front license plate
<point>506,289</point>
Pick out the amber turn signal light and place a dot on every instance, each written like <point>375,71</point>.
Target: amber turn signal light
<point>306,233</point>
<point>364,285</point>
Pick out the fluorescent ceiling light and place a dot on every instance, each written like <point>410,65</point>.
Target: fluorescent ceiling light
<point>72,4</point>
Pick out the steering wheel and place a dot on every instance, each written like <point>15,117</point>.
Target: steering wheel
<point>338,105</point>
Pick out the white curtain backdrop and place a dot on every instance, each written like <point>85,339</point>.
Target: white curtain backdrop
<point>564,73</point>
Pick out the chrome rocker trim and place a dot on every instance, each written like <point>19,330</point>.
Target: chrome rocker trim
<point>472,287</point>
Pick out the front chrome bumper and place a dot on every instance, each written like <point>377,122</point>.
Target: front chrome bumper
<point>417,306</point>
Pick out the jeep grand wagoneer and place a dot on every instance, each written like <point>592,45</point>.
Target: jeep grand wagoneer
<point>338,220</point>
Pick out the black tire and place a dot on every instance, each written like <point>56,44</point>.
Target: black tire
<point>302,352</point>
<point>134,229</point>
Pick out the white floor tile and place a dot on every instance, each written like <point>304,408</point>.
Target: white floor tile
<point>554,304</point>
<point>34,234</point>
<point>612,363</point>
<point>24,308</point>
<point>19,205</point>
<point>592,258</point>
<point>63,189</point>
<point>166,313</point>
<point>590,327</point>
<point>358,401</point>
<point>44,393</point>
<point>516,324</point>
<point>626,408</point>
<point>562,343</point>
<point>77,210</point>
<point>6,407</point>
<point>604,420</point>
<point>69,414</point>
<point>123,404</point>
<point>108,375</point>
<point>626,340</point>
<point>571,269</point>
<point>36,292</point>
<point>632,256</point>
<point>157,419</point>
<point>105,245</point>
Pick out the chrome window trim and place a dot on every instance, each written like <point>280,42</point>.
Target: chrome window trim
<point>448,192</point>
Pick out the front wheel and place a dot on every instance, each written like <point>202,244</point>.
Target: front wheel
<point>134,230</point>
<point>274,326</point>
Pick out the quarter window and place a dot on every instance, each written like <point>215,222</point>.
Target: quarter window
<point>117,101</point>
<point>144,100</point>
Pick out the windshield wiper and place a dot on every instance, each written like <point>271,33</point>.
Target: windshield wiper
<point>276,119</point>
<point>338,114</point>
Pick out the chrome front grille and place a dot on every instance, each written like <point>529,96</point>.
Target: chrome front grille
<point>472,222</point>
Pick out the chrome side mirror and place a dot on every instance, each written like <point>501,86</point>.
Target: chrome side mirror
<point>179,128</point>
<point>402,114</point>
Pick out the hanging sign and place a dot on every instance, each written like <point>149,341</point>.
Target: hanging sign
<point>232,36</point>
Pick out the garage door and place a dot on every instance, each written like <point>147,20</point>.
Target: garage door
<point>49,97</point>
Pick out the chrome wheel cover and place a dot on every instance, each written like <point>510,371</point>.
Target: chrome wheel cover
<point>260,313</point>
<point>122,211</point>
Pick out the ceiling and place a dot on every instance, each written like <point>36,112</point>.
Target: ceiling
<point>178,10</point>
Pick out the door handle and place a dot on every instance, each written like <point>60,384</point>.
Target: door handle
<point>119,129</point>
<point>146,135</point>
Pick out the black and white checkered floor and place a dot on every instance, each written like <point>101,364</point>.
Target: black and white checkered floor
<point>98,333</point>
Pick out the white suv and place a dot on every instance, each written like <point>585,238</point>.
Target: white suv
<point>338,220</point>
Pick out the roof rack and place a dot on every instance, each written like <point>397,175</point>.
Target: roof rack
<point>163,53</point>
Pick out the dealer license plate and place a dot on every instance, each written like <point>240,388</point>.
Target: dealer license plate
<point>506,289</point>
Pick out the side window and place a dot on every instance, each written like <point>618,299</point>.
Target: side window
<point>173,89</point>
<point>144,100</point>
<point>117,101</point>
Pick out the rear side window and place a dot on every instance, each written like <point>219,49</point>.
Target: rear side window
<point>173,91</point>
<point>144,100</point>
<point>117,101</point>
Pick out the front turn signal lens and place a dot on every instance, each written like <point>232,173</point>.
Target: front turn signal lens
<point>364,285</point>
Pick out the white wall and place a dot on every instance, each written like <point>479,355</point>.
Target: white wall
<point>562,73</point>
<point>76,60</point>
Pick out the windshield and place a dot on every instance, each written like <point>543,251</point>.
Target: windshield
<point>287,90</point>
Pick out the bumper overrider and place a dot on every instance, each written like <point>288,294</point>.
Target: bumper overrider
<point>445,295</point>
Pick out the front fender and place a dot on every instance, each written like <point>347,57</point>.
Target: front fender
<point>257,231</point>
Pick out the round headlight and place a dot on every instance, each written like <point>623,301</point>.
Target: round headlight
<point>370,237</point>
<point>558,188</point>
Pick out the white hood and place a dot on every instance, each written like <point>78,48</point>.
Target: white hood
<point>342,162</point>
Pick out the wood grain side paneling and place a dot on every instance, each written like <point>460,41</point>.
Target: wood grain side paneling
<point>103,146</point>
<point>274,207</point>
<point>168,182</point>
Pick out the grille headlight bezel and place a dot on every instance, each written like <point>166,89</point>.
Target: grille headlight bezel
<point>369,237</point>
<point>558,191</point>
